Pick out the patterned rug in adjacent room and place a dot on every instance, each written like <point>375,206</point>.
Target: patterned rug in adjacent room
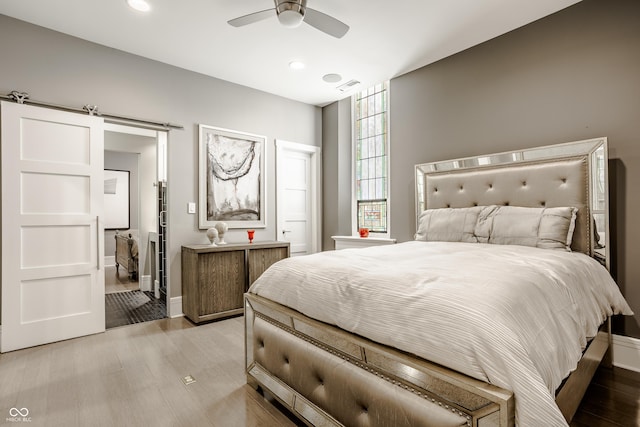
<point>127,308</point>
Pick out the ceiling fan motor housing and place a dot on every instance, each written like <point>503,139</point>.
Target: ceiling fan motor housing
<point>290,12</point>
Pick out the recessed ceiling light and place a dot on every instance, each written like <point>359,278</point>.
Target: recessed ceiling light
<point>332,78</point>
<point>141,5</point>
<point>296,65</point>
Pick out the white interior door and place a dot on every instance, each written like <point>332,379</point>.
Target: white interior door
<point>297,196</point>
<point>52,201</point>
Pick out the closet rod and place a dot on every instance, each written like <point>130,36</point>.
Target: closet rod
<point>92,110</point>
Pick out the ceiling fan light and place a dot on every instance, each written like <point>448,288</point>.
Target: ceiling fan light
<point>290,18</point>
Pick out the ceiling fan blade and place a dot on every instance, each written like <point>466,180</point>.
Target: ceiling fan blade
<point>251,18</point>
<point>325,23</point>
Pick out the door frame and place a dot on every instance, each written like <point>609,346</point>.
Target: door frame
<point>315,157</point>
<point>162,142</point>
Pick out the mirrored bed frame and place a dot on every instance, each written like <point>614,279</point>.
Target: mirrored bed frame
<point>415,390</point>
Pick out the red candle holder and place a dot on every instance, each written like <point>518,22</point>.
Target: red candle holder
<point>250,235</point>
<point>364,232</point>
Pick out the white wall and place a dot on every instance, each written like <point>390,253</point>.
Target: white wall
<point>64,70</point>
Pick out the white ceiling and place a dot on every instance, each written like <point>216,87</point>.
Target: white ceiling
<point>386,39</point>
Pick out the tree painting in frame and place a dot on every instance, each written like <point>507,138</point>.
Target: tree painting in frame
<point>232,178</point>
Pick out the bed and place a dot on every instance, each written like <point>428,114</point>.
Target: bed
<point>127,252</point>
<point>474,323</point>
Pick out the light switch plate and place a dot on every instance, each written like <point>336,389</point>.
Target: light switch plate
<point>191,207</point>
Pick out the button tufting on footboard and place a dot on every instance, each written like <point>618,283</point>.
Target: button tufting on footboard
<point>361,397</point>
<point>364,408</point>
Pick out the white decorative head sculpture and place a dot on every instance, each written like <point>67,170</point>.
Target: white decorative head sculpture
<point>212,234</point>
<point>222,228</point>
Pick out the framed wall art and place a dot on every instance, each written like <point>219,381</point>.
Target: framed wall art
<point>116,199</point>
<point>231,178</point>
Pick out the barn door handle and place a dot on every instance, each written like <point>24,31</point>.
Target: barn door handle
<point>98,242</point>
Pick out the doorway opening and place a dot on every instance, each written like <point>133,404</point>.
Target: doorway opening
<point>135,241</point>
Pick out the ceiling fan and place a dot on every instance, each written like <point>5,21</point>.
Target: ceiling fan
<point>292,13</point>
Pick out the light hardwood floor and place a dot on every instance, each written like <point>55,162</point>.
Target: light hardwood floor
<point>118,280</point>
<point>132,376</point>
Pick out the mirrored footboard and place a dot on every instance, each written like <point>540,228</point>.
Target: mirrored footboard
<point>326,376</point>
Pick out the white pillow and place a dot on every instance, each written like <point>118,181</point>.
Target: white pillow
<point>549,228</point>
<point>448,225</point>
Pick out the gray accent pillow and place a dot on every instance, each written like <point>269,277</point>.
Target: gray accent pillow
<point>448,225</point>
<point>548,228</point>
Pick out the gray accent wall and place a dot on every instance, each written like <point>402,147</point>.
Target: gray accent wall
<point>573,75</point>
<point>60,69</point>
<point>337,171</point>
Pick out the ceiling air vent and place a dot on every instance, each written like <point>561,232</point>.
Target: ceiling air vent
<point>348,85</point>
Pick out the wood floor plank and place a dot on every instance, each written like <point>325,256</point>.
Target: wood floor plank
<point>62,389</point>
<point>34,371</point>
<point>612,399</point>
<point>620,380</point>
<point>132,376</point>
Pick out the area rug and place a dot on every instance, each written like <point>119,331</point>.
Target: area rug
<point>127,308</point>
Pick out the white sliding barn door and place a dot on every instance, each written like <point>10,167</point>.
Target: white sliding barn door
<point>52,237</point>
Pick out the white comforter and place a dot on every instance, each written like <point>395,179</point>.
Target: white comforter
<point>515,316</point>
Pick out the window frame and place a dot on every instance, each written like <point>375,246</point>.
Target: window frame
<point>354,180</point>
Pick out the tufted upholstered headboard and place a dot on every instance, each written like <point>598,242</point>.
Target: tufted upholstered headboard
<point>560,175</point>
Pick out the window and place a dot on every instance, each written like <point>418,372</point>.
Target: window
<point>371,144</point>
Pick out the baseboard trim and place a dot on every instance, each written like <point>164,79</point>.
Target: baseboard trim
<point>626,352</point>
<point>110,261</point>
<point>145,283</point>
<point>175,307</point>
